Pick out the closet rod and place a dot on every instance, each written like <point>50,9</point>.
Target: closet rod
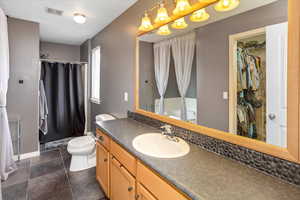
<point>63,61</point>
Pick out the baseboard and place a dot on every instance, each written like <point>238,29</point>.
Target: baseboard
<point>27,155</point>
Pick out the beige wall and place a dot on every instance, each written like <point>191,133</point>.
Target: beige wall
<point>62,52</point>
<point>117,43</point>
<point>22,99</point>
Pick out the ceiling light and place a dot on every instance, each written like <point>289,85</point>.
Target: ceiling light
<point>179,24</point>
<point>162,15</point>
<point>164,30</point>
<point>146,24</point>
<point>79,18</point>
<point>226,5</point>
<point>182,6</point>
<point>199,16</point>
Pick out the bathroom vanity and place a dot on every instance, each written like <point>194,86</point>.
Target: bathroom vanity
<point>124,173</point>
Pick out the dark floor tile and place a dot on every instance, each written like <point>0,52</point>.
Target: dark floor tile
<point>88,189</point>
<point>81,176</point>
<point>15,192</point>
<point>20,175</point>
<point>64,152</point>
<point>46,157</point>
<point>49,186</point>
<point>67,163</point>
<point>84,185</point>
<point>46,168</point>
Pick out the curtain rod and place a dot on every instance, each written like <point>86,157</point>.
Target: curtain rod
<point>62,61</point>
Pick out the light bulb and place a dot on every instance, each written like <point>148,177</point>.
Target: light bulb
<point>199,15</point>
<point>226,5</point>
<point>164,30</point>
<point>79,18</point>
<point>146,24</point>
<point>179,24</point>
<point>182,6</point>
<point>162,15</point>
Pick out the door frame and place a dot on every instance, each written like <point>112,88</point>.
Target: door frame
<point>233,39</point>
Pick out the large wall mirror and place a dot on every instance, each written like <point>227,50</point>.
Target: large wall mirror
<point>227,72</point>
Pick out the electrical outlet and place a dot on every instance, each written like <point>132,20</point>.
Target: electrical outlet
<point>225,95</point>
<point>125,96</point>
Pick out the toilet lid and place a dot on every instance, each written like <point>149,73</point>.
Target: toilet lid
<point>82,142</point>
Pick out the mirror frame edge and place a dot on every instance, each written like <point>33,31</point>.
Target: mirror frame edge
<point>291,153</point>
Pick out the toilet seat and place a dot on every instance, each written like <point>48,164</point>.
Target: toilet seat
<point>81,142</point>
<point>81,145</point>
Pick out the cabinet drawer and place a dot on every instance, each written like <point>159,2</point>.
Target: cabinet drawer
<point>124,157</point>
<point>103,139</point>
<point>158,187</point>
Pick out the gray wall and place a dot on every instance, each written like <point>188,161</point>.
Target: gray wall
<point>62,52</point>
<point>22,99</point>
<point>213,60</point>
<point>148,91</point>
<point>118,41</point>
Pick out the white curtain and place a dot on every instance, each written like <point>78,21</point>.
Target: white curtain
<point>183,53</point>
<point>161,68</point>
<point>7,164</point>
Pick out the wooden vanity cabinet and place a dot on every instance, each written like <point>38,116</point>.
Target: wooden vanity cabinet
<point>159,188</point>
<point>102,168</point>
<point>123,177</point>
<point>122,182</point>
<point>143,194</point>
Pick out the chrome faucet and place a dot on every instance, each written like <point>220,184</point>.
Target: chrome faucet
<point>168,131</point>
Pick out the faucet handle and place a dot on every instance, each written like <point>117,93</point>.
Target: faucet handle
<point>167,128</point>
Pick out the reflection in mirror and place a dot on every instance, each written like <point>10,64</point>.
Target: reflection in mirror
<point>227,71</point>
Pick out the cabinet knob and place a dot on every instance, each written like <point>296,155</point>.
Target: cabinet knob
<point>130,189</point>
<point>137,197</point>
<point>105,159</point>
<point>272,116</point>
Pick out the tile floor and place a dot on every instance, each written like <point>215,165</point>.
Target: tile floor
<point>47,177</point>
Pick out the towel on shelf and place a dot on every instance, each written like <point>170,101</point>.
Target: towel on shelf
<point>43,109</point>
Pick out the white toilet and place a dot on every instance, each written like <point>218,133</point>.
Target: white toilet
<point>83,149</point>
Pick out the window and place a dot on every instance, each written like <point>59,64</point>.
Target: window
<point>95,75</point>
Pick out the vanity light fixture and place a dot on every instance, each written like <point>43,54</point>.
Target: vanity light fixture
<point>199,16</point>
<point>164,30</point>
<point>226,5</point>
<point>79,18</point>
<point>146,24</point>
<point>162,14</point>
<point>179,24</point>
<point>182,6</point>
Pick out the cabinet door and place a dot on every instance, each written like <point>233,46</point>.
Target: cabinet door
<point>143,194</point>
<point>122,182</point>
<point>102,168</point>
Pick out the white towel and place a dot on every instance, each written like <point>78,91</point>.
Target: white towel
<point>43,109</point>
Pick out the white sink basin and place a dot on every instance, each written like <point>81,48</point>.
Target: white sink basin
<point>158,145</point>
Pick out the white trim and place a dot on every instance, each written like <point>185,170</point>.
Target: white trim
<point>233,39</point>
<point>27,155</point>
<point>93,99</point>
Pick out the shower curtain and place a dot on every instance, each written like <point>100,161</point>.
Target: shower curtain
<point>7,164</point>
<point>65,100</point>
<point>161,68</point>
<point>183,49</point>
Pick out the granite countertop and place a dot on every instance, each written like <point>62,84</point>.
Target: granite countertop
<point>200,174</point>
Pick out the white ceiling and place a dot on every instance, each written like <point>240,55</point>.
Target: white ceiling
<point>62,29</point>
<point>215,16</point>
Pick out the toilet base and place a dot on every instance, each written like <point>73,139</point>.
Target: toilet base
<point>82,162</point>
